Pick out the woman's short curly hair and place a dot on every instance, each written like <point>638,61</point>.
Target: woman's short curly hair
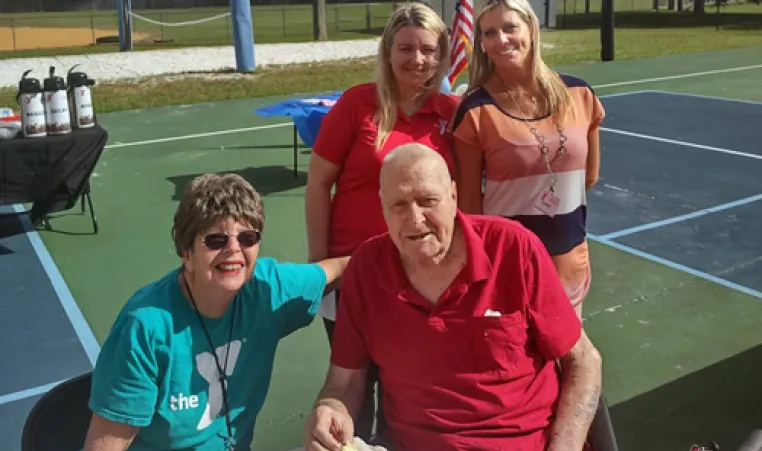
<point>210,198</point>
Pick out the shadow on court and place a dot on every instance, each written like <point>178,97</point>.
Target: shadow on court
<point>719,403</point>
<point>10,225</point>
<point>266,180</point>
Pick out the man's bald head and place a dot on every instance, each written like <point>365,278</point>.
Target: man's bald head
<point>419,203</point>
<point>415,160</point>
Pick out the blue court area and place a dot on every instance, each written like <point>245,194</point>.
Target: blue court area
<point>45,338</point>
<point>681,185</point>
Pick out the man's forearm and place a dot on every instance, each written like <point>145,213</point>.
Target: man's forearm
<point>341,401</point>
<point>580,394</point>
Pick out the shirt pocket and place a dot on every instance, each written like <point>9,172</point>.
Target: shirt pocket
<point>499,344</point>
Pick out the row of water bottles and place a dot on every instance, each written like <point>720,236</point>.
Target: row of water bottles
<point>55,106</point>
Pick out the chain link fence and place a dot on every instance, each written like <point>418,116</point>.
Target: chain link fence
<point>96,30</point>
<point>579,14</point>
<point>184,27</point>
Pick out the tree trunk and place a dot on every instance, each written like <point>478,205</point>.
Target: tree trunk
<point>320,30</point>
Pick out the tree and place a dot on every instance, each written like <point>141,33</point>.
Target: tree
<point>319,28</point>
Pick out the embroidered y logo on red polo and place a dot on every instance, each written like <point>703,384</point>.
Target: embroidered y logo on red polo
<point>492,313</point>
<point>442,126</point>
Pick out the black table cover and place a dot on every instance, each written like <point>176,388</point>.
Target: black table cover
<point>51,172</point>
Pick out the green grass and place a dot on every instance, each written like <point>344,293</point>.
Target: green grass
<point>293,23</point>
<point>638,35</point>
<point>568,47</point>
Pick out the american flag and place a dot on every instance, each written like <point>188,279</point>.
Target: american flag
<point>461,39</point>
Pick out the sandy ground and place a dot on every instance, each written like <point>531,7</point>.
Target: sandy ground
<point>28,38</point>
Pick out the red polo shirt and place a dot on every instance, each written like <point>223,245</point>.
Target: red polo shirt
<point>347,138</point>
<point>456,376</point>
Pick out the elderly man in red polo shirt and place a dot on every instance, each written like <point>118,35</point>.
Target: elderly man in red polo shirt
<point>467,321</point>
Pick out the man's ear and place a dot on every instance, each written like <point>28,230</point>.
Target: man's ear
<point>454,188</point>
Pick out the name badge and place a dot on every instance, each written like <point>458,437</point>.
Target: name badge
<point>547,202</point>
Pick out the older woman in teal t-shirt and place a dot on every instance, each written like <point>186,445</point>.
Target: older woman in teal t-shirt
<point>187,364</point>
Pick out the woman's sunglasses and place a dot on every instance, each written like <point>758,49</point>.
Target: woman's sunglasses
<point>217,241</point>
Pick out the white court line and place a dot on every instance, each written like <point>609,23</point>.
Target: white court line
<point>701,274</point>
<point>69,305</point>
<point>197,135</point>
<point>681,218</point>
<point>677,77</point>
<point>700,96</point>
<point>682,143</point>
<point>286,124</point>
<point>27,393</point>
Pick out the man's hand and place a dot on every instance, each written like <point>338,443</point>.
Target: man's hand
<point>330,426</point>
<point>360,445</point>
<point>580,394</point>
<point>328,429</point>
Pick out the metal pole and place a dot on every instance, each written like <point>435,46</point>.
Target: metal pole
<point>607,30</point>
<point>717,15</point>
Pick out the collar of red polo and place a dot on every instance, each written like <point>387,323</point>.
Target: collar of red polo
<point>478,266</point>
<point>436,103</point>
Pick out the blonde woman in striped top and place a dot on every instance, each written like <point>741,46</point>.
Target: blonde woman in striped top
<point>526,140</point>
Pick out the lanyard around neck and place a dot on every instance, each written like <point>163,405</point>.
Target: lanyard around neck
<point>221,374</point>
<point>562,138</point>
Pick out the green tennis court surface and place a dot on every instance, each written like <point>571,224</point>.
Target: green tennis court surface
<point>674,222</point>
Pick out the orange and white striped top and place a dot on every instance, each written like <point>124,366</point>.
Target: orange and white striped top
<point>515,172</point>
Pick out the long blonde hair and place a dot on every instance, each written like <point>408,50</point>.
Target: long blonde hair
<point>547,81</point>
<point>408,14</point>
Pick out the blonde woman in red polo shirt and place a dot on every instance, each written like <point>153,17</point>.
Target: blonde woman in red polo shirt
<point>402,105</point>
<point>533,134</point>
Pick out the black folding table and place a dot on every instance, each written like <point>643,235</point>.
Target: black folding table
<point>51,172</point>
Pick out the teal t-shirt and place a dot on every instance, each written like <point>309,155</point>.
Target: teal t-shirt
<point>155,369</point>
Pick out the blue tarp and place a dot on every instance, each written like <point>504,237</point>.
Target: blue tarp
<point>307,113</point>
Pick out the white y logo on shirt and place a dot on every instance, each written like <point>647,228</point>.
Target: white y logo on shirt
<point>207,368</point>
